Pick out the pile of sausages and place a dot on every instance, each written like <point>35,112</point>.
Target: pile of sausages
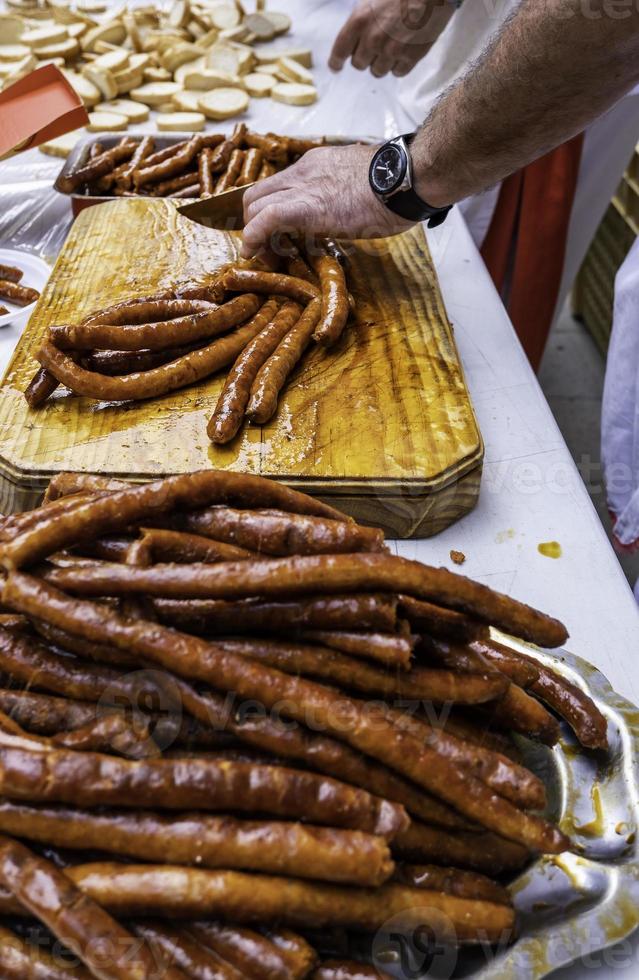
<point>12,289</point>
<point>259,322</point>
<point>233,725</point>
<point>202,166</point>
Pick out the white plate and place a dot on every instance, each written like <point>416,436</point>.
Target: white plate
<point>36,273</point>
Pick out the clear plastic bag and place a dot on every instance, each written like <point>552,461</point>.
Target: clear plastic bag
<point>32,215</point>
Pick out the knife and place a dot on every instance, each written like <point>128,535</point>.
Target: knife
<point>222,211</point>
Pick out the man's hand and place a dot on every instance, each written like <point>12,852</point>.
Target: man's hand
<point>389,35</point>
<point>325,193</point>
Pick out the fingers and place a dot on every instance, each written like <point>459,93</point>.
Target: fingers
<point>364,54</point>
<point>305,170</point>
<point>380,54</point>
<point>279,197</point>
<point>263,188</point>
<point>401,68</point>
<point>277,213</point>
<point>266,258</point>
<point>344,46</point>
<point>382,65</point>
<point>404,63</point>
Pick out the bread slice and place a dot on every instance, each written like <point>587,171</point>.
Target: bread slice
<point>292,93</point>
<point>224,103</point>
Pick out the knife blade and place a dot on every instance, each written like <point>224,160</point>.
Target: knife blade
<point>222,211</point>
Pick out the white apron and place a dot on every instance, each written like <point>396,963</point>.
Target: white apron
<point>620,414</point>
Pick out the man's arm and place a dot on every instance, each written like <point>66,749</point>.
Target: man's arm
<point>554,67</point>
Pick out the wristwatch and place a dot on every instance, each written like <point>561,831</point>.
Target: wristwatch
<point>391,179</point>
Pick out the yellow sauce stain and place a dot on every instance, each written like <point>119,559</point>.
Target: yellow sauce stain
<point>572,751</point>
<point>558,861</point>
<point>595,827</point>
<point>567,825</point>
<point>536,953</point>
<point>549,549</point>
<point>505,535</point>
<point>619,923</point>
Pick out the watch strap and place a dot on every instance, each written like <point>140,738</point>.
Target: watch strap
<point>408,204</point>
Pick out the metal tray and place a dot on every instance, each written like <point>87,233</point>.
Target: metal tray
<point>577,903</point>
<point>80,155</point>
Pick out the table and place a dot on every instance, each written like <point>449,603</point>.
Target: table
<point>531,489</point>
<point>531,492</point>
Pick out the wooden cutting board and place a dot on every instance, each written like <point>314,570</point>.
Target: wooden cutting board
<point>381,426</point>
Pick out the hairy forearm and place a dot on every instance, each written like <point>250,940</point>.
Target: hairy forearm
<point>553,68</point>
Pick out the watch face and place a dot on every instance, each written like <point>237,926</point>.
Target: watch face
<point>388,170</point>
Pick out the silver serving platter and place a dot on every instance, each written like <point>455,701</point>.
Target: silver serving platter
<point>570,905</point>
